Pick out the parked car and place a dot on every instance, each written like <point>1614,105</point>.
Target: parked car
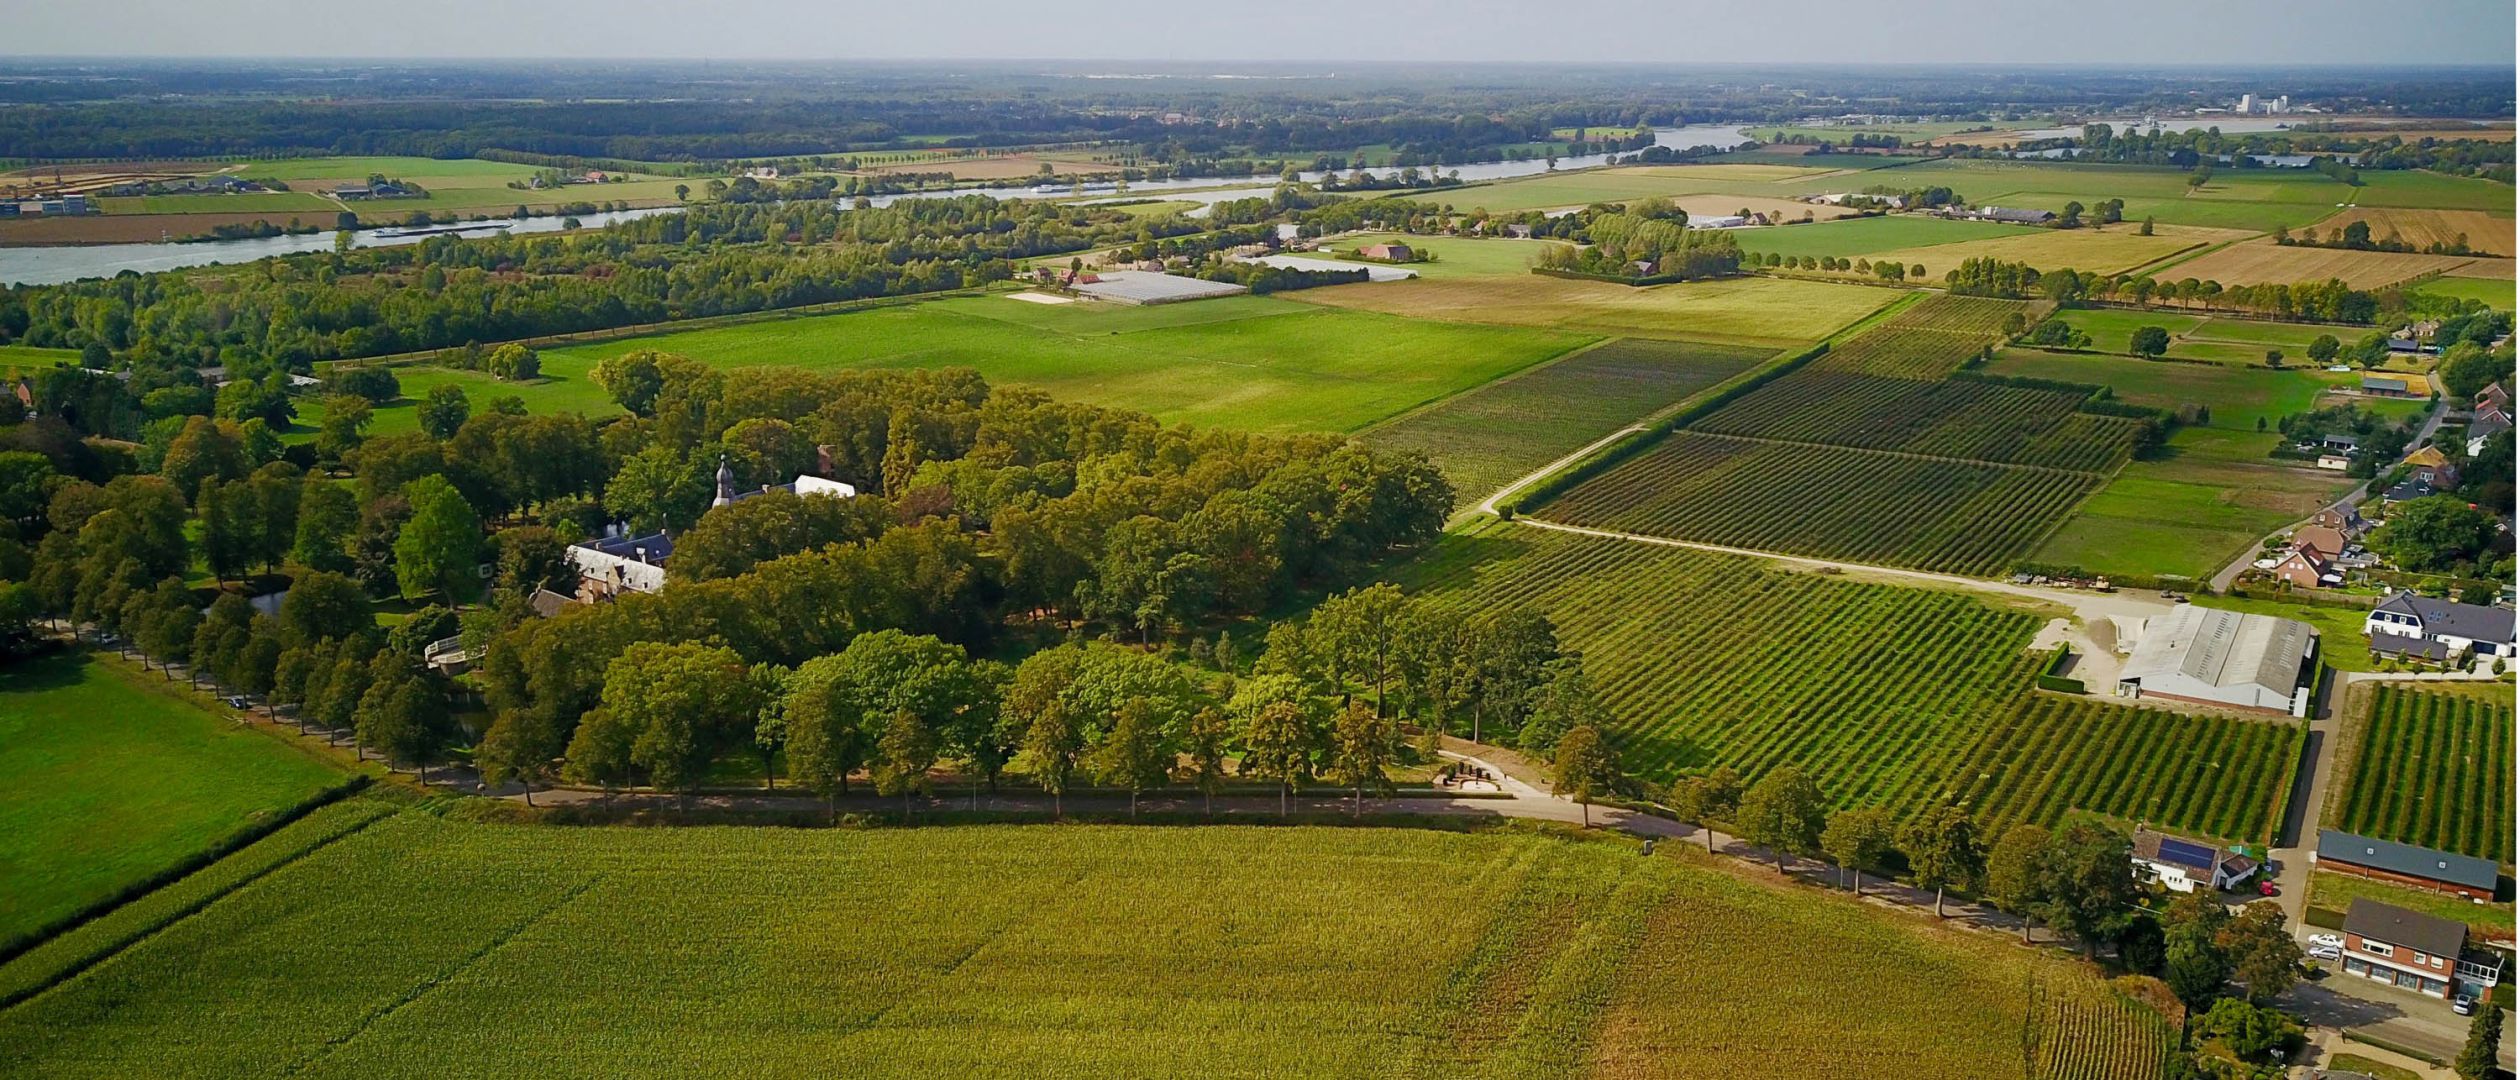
<point>2463,1005</point>
<point>2266,888</point>
<point>238,702</point>
<point>2326,941</point>
<point>2323,952</point>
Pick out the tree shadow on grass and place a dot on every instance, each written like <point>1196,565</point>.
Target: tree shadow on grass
<point>51,669</point>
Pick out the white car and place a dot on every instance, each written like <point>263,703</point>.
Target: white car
<point>2323,952</point>
<point>2326,941</point>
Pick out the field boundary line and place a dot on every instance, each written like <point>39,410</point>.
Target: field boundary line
<point>439,977</point>
<point>179,915</point>
<point>1488,506</point>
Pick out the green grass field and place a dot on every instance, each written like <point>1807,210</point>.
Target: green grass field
<point>252,202</point>
<point>20,358</point>
<point>1756,312</point>
<point>1243,362</point>
<point>992,951</point>
<point>1864,236</point>
<point>2235,397</point>
<point>1488,437</point>
<point>1620,184</point>
<point>558,391</point>
<point>2499,294</point>
<point>2185,517</point>
<point>360,168</point>
<point>112,780</point>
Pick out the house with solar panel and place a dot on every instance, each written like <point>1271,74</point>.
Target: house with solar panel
<point>2184,865</point>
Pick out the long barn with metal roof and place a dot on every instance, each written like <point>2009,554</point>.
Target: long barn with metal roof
<point>2231,659</point>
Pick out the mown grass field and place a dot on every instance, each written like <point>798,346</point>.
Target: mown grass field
<point>2241,342</point>
<point>1756,312</point>
<point>2499,294</point>
<point>111,780</point>
<point>1885,695</point>
<point>558,391</point>
<point>1621,184</point>
<point>315,208</point>
<point>2185,517</point>
<point>1486,438</point>
<point>2432,767</point>
<point>2235,397</point>
<point>993,951</point>
<point>1243,362</point>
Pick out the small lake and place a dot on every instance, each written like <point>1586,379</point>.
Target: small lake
<point>54,265</point>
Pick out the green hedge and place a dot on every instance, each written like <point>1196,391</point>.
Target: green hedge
<point>2062,685</point>
<point>2323,918</point>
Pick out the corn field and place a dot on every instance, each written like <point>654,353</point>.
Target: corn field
<point>424,946</point>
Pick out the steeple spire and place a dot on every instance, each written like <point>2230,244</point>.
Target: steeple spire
<point>725,483</point>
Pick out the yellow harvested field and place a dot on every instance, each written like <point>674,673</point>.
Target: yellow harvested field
<point>1762,312</point>
<point>2259,262</point>
<point>2484,232</point>
<point>2109,250</point>
<point>1731,172</point>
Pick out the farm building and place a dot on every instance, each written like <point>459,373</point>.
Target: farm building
<point>1140,287</point>
<point>2229,659</point>
<point>2345,443</point>
<point>1398,253</point>
<point>2387,385</point>
<point>2406,864</point>
<point>1727,221</point>
<point>2437,629</point>
<point>2184,865</point>
<point>2335,462</point>
<point>2413,951</point>
<point>2016,217</point>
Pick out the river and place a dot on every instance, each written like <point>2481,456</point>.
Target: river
<point>54,265</point>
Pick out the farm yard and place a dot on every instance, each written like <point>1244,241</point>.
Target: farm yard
<point>1391,951</point>
<point>2430,766</point>
<point>151,778</point>
<point>1251,363</point>
<point>1752,312</point>
<point>1885,695</point>
<point>1486,438</point>
<point>1963,517</point>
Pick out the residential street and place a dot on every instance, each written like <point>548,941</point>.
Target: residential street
<point>2432,422</point>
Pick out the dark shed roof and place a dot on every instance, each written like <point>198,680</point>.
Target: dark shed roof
<point>2397,858</point>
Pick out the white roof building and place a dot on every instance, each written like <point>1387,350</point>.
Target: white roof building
<point>2230,659</point>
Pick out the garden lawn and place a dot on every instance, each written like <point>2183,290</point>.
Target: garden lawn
<point>1038,951</point>
<point>111,779</point>
<point>2235,397</point>
<point>2331,891</point>
<point>1251,363</point>
<point>1755,311</point>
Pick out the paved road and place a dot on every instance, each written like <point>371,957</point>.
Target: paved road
<point>2432,422</point>
<point>2398,1017</point>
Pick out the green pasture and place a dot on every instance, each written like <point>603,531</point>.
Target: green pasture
<point>2498,294</point>
<point>250,202</point>
<point>1242,362</point>
<point>360,168</point>
<point>565,387</point>
<point>1455,256</point>
<point>2235,397</point>
<point>112,779</point>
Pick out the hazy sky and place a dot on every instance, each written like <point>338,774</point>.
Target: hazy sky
<point>2238,32</point>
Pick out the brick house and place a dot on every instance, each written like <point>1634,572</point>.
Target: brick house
<point>2303,567</point>
<point>2406,864</point>
<point>2413,951</point>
